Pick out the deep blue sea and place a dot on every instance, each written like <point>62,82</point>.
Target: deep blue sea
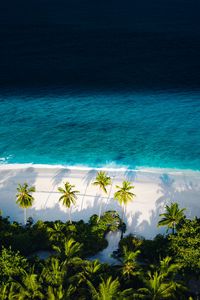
<point>113,83</point>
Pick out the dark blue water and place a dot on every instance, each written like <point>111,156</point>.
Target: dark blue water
<point>95,83</point>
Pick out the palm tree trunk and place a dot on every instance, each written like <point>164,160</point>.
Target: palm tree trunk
<point>83,197</point>
<point>24,216</point>
<point>123,213</point>
<point>173,228</point>
<point>100,208</point>
<point>70,220</point>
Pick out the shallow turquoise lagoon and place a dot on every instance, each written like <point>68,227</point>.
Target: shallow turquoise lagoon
<point>131,129</point>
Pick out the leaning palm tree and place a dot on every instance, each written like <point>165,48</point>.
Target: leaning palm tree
<point>24,198</point>
<point>102,181</point>
<point>124,195</point>
<point>69,197</point>
<point>172,217</point>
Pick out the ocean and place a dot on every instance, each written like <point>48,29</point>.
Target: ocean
<point>159,129</point>
<point>100,84</point>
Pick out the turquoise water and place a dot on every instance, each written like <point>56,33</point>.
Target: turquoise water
<point>153,129</point>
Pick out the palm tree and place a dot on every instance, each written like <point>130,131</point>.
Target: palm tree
<point>167,268</point>
<point>129,263</point>
<point>56,232</point>
<point>172,217</point>
<point>72,249</point>
<point>30,288</point>
<point>54,273</point>
<point>69,251</point>
<point>69,197</point>
<point>102,181</point>
<point>8,290</point>
<point>156,288</point>
<point>60,293</point>
<point>91,270</point>
<point>92,267</point>
<point>108,290</point>
<point>124,195</point>
<point>24,197</point>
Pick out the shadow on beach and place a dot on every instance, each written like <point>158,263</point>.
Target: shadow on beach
<point>141,219</point>
<point>185,192</point>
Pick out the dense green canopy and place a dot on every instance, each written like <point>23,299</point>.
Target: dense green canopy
<point>162,268</point>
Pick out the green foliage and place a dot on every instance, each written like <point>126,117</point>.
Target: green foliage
<point>102,181</point>
<point>12,264</point>
<point>60,293</point>
<point>68,197</point>
<point>108,290</point>
<point>156,288</point>
<point>172,217</point>
<point>69,251</point>
<point>151,251</point>
<point>132,243</point>
<point>186,244</point>
<point>154,250</point>
<point>124,194</point>
<point>8,291</point>
<point>24,197</point>
<point>147,269</point>
<point>54,272</point>
<point>24,239</point>
<point>30,287</point>
<point>130,266</point>
<point>110,221</point>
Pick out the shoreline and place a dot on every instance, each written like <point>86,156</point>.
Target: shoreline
<point>106,168</point>
<point>154,189</point>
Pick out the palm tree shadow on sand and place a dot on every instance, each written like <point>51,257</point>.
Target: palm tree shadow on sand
<point>148,227</point>
<point>59,212</point>
<point>60,175</point>
<point>172,189</point>
<point>185,192</point>
<point>87,180</point>
<point>130,175</point>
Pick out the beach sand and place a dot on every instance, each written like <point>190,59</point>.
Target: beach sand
<point>154,188</point>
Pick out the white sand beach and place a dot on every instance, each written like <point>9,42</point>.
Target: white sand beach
<point>154,188</point>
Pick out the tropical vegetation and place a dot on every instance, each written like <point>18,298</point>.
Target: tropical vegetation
<point>102,181</point>
<point>166,267</point>
<point>68,197</point>
<point>124,195</point>
<point>172,217</point>
<point>25,198</point>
